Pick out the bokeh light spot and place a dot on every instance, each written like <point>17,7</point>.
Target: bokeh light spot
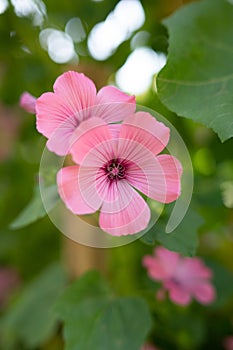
<point>74,28</point>
<point>135,76</point>
<point>119,25</point>
<point>3,6</point>
<point>26,8</point>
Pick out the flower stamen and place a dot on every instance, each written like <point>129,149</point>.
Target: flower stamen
<point>115,170</point>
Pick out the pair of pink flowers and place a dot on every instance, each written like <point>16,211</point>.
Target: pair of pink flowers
<point>184,278</point>
<point>114,162</point>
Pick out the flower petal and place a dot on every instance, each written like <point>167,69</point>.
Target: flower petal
<point>148,178</point>
<point>145,172</point>
<point>113,105</point>
<point>115,130</point>
<point>65,109</point>
<point>172,171</point>
<point>52,112</point>
<point>133,218</point>
<point>177,293</point>
<point>89,185</point>
<point>156,270</point>
<point>69,190</point>
<point>193,270</point>
<point>146,130</point>
<point>28,102</point>
<point>60,141</point>
<point>92,143</point>
<point>117,195</point>
<point>77,90</point>
<point>163,264</point>
<point>204,292</point>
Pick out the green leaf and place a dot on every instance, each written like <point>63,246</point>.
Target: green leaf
<point>182,240</point>
<point>35,209</point>
<point>197,81</point>
<point>95,319</point>
<point>31,319</point>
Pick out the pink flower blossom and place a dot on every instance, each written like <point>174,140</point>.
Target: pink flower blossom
<point>73,101</point>
<point>228,343</point>
<point>113,161</point>
<point>182,277</point>
<point>28,102</point>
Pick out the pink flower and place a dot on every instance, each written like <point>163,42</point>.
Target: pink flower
<point>28,102</point>
<point>182,277</point>
<point>228,343</point>
<point>73,101</point>
<point>113,161</point>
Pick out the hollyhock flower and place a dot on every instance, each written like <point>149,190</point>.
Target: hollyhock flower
<point>228,343</point>
<point>113,161</point>
<point>9,280</point>
<point>28,102</point>
<point>182,277</point>
<point>74,100</point>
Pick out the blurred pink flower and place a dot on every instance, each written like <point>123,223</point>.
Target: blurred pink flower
<point>228,343</point>
<point>9,280</point>
<point>182,277</point>
<point>73,101</point>
<point>115,159</point>
<point>28,102</point>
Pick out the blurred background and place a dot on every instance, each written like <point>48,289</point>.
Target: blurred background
<point>113,42</point>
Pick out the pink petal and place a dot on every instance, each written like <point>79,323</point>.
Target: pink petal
<point>97,189</point>
<point>90,184</point>
<point>60,141</point>
<point>116,195</point>
<point>52,111</point>
<point>146,130</point>
<point>113,104</point>
<point>163,265</point>
<point>170,260</point>
<point>68,188</point>
<point>204,292</point>
<point>115,130</point>
<point>191,270</point>
<point>132,219</point>
<point>156,270</point>
<point>172,171</point>
<point>92,143</point>
<point>65,109</point>
<point>178,294</point>
<point>78,91</point>
<point>28,102</point>
<point>144,171</point>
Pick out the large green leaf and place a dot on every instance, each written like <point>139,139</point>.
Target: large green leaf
<point>197,81</point>
<point>95,319</point>
<point>31,318</point>
<point>35,209</point>
<point>182,240</point>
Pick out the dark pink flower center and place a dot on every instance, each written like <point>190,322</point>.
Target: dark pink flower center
<point>115,169</point>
